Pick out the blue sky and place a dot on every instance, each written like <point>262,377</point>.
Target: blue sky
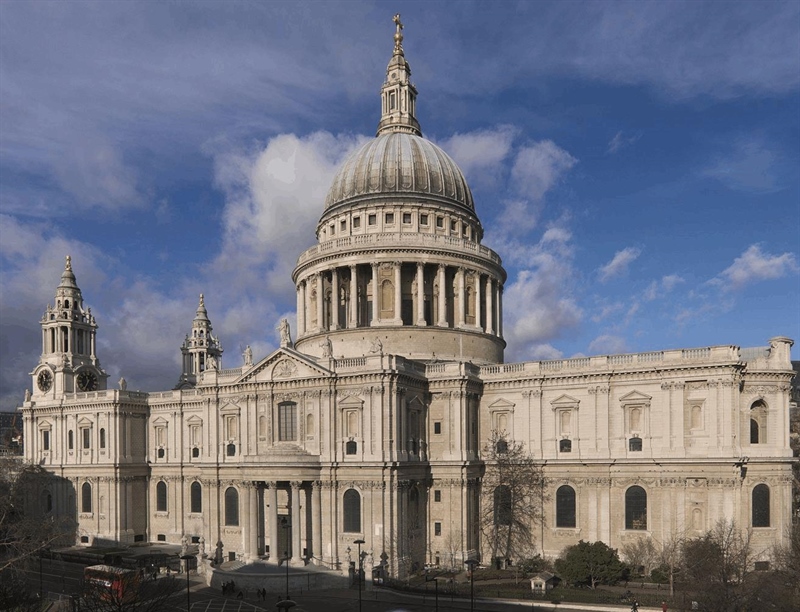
<point>634,163</point>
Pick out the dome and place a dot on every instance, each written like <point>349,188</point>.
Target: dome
<point>403,164</point>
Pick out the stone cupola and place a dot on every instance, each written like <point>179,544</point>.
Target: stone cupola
<point>399,265</point>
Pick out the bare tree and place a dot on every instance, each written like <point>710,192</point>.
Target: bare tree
<point>512,498</point>
<point>641,553</point>
<point>29,526</point>
<point>130,594</point>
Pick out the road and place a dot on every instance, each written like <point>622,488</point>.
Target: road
<point>64,578</point>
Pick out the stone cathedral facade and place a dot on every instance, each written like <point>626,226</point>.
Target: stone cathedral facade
<point>370,424</point>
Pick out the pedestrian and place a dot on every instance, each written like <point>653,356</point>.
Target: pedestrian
<point>663,606</point>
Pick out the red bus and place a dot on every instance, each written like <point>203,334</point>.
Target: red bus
<point>112,583</point>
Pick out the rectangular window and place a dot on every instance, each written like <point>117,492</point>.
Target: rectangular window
<point>437,529</point>
<point>161,537</point>
<point>46,440</point>
<point>453,226</point>
<point>437,495</point>
<point>423,219</point>
<point>437,427</point>
<point>86,433</point>
<point>287,414</point>
<point>356,222</point>
<point>372,219</point>
<point>389,218</point>
<point>407,218</point>
<point>439,221</point>
<point>333,229</point>
<point>343,225</point>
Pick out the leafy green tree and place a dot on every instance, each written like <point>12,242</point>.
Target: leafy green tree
<point>512,498</point>
<point>590,563</point>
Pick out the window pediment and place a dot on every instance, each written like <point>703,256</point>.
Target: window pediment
<point>565,401</point>
<point>230,409</point>
<point>635,397</point>
<point>351,401</point>
<point>501,405</point>
<point>160,422</point>
<point>84,422</point>
<point>194,420</point>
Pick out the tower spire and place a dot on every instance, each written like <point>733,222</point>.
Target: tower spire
<point>398,95</point>
<point>201,350</point>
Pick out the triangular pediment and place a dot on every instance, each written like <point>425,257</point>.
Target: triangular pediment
<point>285,364</point>
<point>84,422</point>
<point>351,401</point>
<point>194,420</point>
<point>160,422</point>
<point>635,397</point>
<point>501,404</point>
<point>565,400</point>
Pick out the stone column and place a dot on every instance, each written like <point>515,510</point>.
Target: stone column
<point>421,294</point>
<point>478,277</point>
<point>442,322</point>
<point>301,308</point>
<point>353,297</point>
<point>376,296</point>
<point>252,545</point>
<point>272,523</point>
<point>334,299</point>
<point>296,523</point>
<point>316,522</point>
<point>489,310</point>
<point>320,301</point>
<point>461,299</point>
<point>499,309</point>
<point>398,292</point>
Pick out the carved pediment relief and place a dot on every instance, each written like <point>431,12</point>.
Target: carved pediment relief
<point>285,364</point>
<point>565,401</point>
<point>635,397</point>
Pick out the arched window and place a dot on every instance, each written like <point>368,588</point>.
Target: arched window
<point>86,497</point>
<point>231,450</point>
<point>351,448</point>
<point>70,440</point>
<point>636,508</point>
<point>635,444</point>
<point>102,437</point>
<point>758,422</point>
<point>761,506</point>
<point>565,446</point>
<point>195,452</point>
<point>231,507</point>
<point>196,495</point>
<point>565,506</point>
<point>351,509</point>
<point>161,496</point>
<point>502,505</point>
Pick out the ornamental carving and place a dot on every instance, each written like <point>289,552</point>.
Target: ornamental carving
<point>284,369</point>
<point>760,389</point>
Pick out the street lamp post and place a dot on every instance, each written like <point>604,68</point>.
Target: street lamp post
<point>471,563</point>
<point>435,581</point>
<point>41,582</point>
<point>360,570</point>
<point>186,559</point>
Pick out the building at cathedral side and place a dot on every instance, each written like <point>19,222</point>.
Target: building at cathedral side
<point>371,423</point>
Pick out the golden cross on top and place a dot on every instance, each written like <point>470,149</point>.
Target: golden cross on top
<point>398,35</point>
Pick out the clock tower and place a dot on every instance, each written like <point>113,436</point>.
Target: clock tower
<point>68,363</point>
<point>201,350</point>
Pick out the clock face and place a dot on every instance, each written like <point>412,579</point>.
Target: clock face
<point>87,381</point>
<point>45,381</point>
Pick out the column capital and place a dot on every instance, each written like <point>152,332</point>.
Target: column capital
<point>296,484</point>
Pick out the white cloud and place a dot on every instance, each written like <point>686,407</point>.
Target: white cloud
<point>620,141</point>
<point>750,166</point>
<point>608,344</point>
<point>753,266</point>
<point>619,263</point>
<point>481,154</point>
<point>539,167</point>
<point>660,288</point>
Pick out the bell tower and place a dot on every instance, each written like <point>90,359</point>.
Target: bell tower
<point>68,362</point>
<point>201,350</point>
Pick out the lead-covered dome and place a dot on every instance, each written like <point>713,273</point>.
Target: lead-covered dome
<point>399,163</point>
